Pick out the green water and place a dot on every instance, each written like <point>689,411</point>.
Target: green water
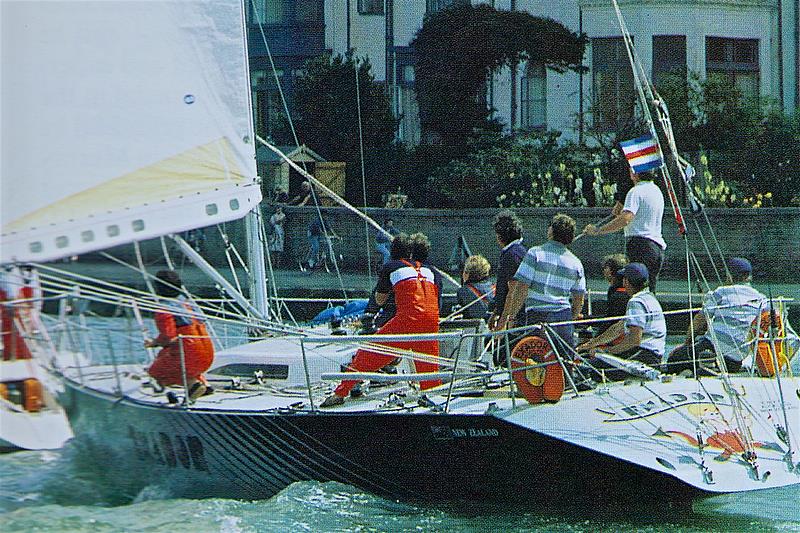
<point>59,491</point>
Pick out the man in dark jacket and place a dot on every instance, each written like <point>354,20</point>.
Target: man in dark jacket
<point>508,230</point>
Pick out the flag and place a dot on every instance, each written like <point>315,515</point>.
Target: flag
<point>642,153</point>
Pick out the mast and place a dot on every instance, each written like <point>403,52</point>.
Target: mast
<point>255,261</point>
<point>254,220</point>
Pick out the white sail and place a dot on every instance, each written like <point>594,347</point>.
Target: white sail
<point>121,121</point>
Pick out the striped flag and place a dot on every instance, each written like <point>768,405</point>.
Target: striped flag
<point>642,153</point>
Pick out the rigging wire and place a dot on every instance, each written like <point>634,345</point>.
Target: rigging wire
<point>285,104</point>
<point>363,173</point>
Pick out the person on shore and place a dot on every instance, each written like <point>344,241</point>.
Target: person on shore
<point>730,311</point>
<point>417,289</point>
<point>508,232</point>
<point>476,293</point>
<point>278,236</point>
<point>643,330</point>
<point>304,197</point>
<point>280,196</point>
<point>383,241</point>
<point>549,284</point>
<point>640,219</point>
<point>181,330</point>
<point>317,229</point>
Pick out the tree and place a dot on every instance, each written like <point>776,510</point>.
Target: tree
<point>458,48</point>
<point>747,142</point>
<point>326,106</point>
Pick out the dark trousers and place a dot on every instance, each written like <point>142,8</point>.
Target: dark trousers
<point>681,358</point>
<point>643,355</point>
<point>566,332</point>
<point>530,318</point>
<point>643,250</point>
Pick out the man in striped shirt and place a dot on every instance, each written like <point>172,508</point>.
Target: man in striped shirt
<point>549,282</point>
<point>730,311</point>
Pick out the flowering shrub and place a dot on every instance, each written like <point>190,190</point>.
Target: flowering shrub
<point>395,200</point>
<point>714,192</point>
<point>526,171</point>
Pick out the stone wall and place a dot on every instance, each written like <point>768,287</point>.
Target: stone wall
<point>770,238</point>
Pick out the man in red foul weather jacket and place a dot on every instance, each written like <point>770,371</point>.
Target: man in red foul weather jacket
<point>180,329</point>
<point>417,289</point>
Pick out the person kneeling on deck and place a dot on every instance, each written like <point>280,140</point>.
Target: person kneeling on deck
<point>180,331</point>
<point>417,289</point>
<point>730,310</point>
<point>643,330</point>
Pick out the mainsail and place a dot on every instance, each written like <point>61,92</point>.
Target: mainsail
<point>122,121</point>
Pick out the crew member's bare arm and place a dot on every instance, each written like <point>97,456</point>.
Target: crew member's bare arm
<point>614,331</point>
<point>616,224</point>
<point>577,305</point>
<point>517,293</point>
<point>631,340</point>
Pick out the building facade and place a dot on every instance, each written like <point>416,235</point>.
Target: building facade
<point>752,43</point>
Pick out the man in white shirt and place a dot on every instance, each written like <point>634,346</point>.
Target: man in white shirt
<point>643,330</point>
<point>723,324</point>
<point>640,219</point>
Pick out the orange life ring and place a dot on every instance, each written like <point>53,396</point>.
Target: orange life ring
<point>537,385</point>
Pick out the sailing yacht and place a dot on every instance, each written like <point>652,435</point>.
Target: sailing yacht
<point>152,135</point>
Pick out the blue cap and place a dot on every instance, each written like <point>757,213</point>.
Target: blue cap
<point>635,272</point>
<point>739,266</point>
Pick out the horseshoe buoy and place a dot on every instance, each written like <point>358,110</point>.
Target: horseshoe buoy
<point>542,384</point>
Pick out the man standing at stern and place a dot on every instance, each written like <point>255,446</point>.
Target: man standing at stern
<point>641,215</point>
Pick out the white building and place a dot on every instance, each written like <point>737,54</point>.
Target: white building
<point>754,43</point>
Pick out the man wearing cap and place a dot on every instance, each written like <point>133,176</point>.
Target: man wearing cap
<point>640,219</point>
<point>644,329</point>
<point>730,310</point>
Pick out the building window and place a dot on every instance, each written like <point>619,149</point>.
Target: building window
<point>267,107</point>
<point>533,93</point>
<point>735,60</point>
<point>669,59</point>
<point>309,11</point>
<point>370,7</point>
<point>266,11</point>
<point>432,6</point>
<point>612,83</point>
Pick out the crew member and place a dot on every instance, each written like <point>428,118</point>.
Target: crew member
<point>731,309</point>
<point>180,330</point>
<point>417,288</point>
<point>616,297</point>
<point>640,219</point>
<point>508,233</point>
<point>643,330</point>
<point>552,280</point>
<point>15,289</point>
<point>476,286</point>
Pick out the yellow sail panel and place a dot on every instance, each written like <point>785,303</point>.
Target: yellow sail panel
<point>198,170</point>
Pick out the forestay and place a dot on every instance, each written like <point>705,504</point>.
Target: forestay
<point>122,121</point>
